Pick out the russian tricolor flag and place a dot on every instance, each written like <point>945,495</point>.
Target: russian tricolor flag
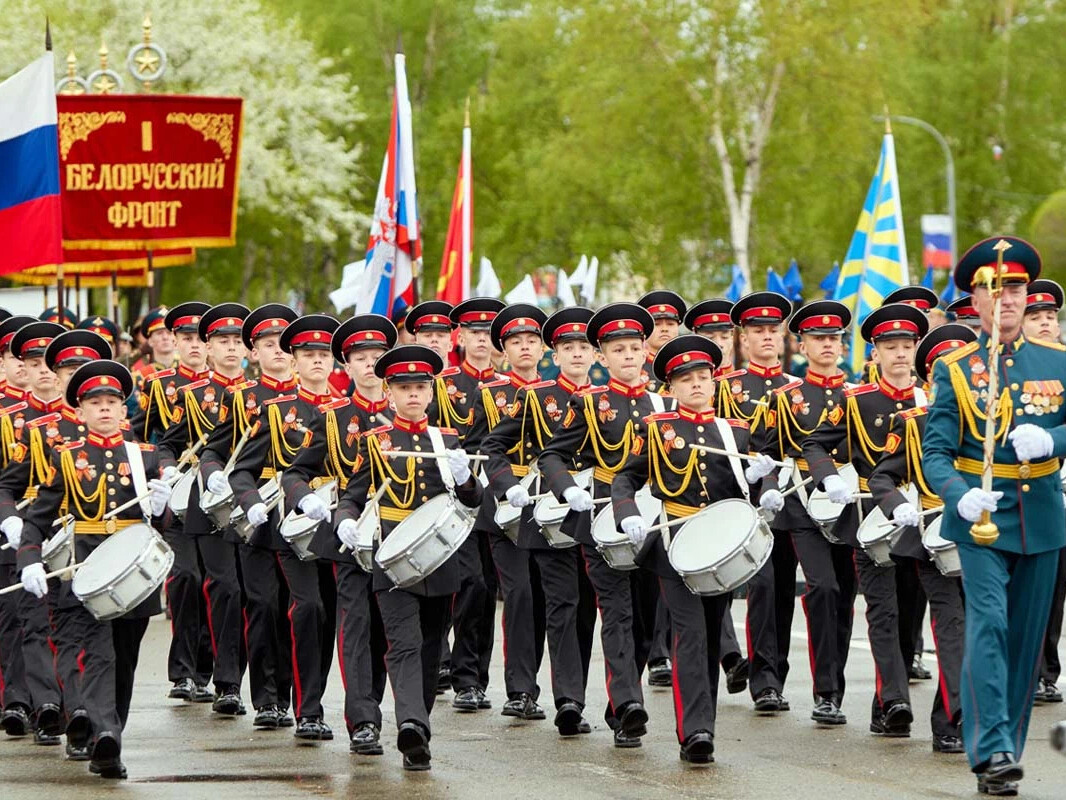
<point>31,227</point>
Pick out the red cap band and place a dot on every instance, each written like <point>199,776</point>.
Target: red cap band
<point>476,316</point>
<point>940,348</point>
<point>100,382</point>
<point>687,359</point>
<point>373,337</point>
<point>711,319</point>
<point>920,304</point>
<point>267,325</point>
<point>894,326</point>
<point>185,322</point>
<point>821,321</point>
<point>517,323</point>
<point>762,312</point>
<point>572,329</point>
<point>157,324</point>
<point>432,319</point>
<point>225,322</point>
<point>76,352</point>
<point>1040,297</point>
<point>304,338</point>
<point>408,368</point>
<point>664,309</point>
<point>5,342</point>
<point>1012,270</point>
<point>966,311</point>
<point>630,326</point>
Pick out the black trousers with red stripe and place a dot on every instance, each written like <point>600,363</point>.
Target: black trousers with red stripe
<point>310,583</point>
<point>586,613</point>
<point>557,571</point>
<point>37,650</point>
<point>828,603</point>
<point>266,627</point>
<point>222,602</point>
<point>468,611</point>
<point>190,642</point>
<point>771,605</point>
<point>519,637</point>
<point>878,586</point>
<point>413,625</point>
<point>361,646</point>
<point>68,653</point>
<point>13,688</point>
<point>694,654</point>
<point>947,620</point>
<point>614,597</point>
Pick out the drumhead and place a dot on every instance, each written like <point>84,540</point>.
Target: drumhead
<point>111,558</point>
<point>932,538</point>
<point>874,526</point>
<point>604,526</point>
<point>179,497</point>
<point>416,527</point>
<point>712,534</point>
<point>59,540</point>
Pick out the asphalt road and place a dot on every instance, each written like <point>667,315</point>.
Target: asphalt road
<point>182,751</point>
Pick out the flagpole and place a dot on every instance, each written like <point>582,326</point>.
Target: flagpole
<point>60,293</point>
<point>467,210</point>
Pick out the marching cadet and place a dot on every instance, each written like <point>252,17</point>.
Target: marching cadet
<point>901,464</point>
<point>918,297</point>
<point>430,323</point>
<point>516,331</point>
<point>266,626</point>
<point>1041,321</point>
<point>196,408</point>
<point>189,662</point>
<point>859,429</point>
<point>162,346</point>
<point>457,391</point>
<point>332,455</point>
<point>711,319</point>
<point>17,704</point>
<point>67,319</point>
<point>20,479</point>
<point>965,313</point>
<point>512,446</point>
<point>747,395</point>
<point>271,449</point>
<point>109,649</point>
<point>604,427</point>
<point>1007,579</point>
<point>667,309</point>
<point>799,406</point>
<point>414,616</point>
<point>686,482</point>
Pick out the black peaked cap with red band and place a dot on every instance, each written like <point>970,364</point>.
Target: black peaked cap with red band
<point>267,320</point>
<point>664,304</point>
<point>309,332</point>
<point>10,326</point>
<point>185,317</point>
<point>409,363</point>
<point>618,320</point>
<point>685,353</point>
<point>430,315</point>
<point>567,325</point>
<point>477,312</point>
<point>820,317</point>
<point>895,321</point>
<point>363,331</point>
<point>514,319</point>
<point>939,342</point>
<point>761,308</point>
<point>30,341</point>
<point>918,296</point>
<point>710,315</point>
<point>1043,294</point>
<point>74,348</point>
<point>963,308</point>
<point>99,377</point>
<point>223,319</point>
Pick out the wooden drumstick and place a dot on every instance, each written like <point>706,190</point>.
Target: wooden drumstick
<point>716,451</point>
<point>427,454</point>
<point>374,498</point>
<point>128,504</point>
<point>925,513</point>
<point>72,568</point>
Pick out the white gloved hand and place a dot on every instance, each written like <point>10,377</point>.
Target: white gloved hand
<point>34,580</point>
<point>759,468</point>
<point>459,464</point>
<point>257,515</point>
<point>636,529</point>
<point>518,497</point>
<point>159,497</point>
<point>905,515</point>
<point>579,499</point>
<point>12,529</point>
<point>975,501</point>
<point>347,532</point>
<point>169,473</point>
<point>313,506</point>
<point>1031,442</point>
<point>217,483</point>
<point>837,489</point>
<point>772,501</point>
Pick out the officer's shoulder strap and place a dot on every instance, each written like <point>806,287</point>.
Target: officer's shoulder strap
<point>788,387</point>
<point>449,372</point>
<point>496,383</point>
<point>1051,345</point>
<point>664,416</point>
<point>911,413</point>
<point>737,373</point>
<point>590,390</point>
<point>236,387</point>
<point>738,423</point>
<point>538,385</point>
<point>862,388</point>
<point>163,373</point>
<point>961,353</point>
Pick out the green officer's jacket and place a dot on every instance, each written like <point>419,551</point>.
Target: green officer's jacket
<point>1032,374</point>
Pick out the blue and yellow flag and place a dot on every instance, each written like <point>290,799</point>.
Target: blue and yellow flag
<point>876,263</point>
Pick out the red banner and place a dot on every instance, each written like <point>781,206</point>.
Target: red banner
<point>93,268</point>
<point>149,171</point>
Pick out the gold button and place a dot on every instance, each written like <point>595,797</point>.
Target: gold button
<point>373,417</point>
<point>112,504</point>
<point>699,428</point>
<point>703,505</point>
<point>109,466</point>
<point>111,492</point>
<point>636,413</point>
<point>419,460</point>
<point>421,473</point>
<point>828,391</point>
<point>108,453</point>
<point>425,499</point>
<point>829,403</point>
<point>769,383</point>
<point>1024,472</point>
<point>702,465</point>
<point>418,448</point>
<point>421,486</point>
<point>633,402</point>
<point>1014,387</point>
<point>701,440</point>
<point>415,437</point>
<point>110,478</point>
<point>1010,362</point>
<point>1025,487</point>
<point>899,405</point>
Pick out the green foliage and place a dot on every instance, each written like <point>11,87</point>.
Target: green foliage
<point>1048,234</point>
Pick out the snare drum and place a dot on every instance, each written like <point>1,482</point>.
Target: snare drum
<point>58,552</point>
<point>298,529</point>
<point>549,513</point>
<point>721,548</point>
<point>878,536</point>
<point>123,572</point>
<point>218,507</point>
<point>945,554</point>
<point>179,497</point>
<point>270,494</point>
<point>507,516</point>
<point>420,544</point>
<point>824,511</point>
<point>366,533</point>
<point>615,546</point>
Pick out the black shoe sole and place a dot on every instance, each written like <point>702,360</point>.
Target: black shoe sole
<point>1010,774</point>
<point>79,730</point>
<point>767,709</point>
<point>568,721</point>
<point>46,740</point>
<point>16,727</point>
<point>830,721</point>
<point>533,716</point>
<point>366,749</point>
<point>628,744</point>
<point>510,712</point>
<point>998,788</point>
<point>634,721</point>
<point>465,707</point>
<point>105,752</point>
<point>50,722</point>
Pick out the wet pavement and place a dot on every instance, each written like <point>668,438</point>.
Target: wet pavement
<point>182,751</point>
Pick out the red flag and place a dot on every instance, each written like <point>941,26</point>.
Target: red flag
<point>453,286</point>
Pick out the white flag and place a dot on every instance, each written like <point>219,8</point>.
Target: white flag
<point>577,277</point>
<point>352,273</point>
<point>524,292</point>
<point>588,285</point>
<point>563,290</point>
<point>488,285</point>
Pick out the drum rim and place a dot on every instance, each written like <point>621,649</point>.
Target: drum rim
<point>449,506</point>
<point>732,500</point>
<point>148,545</point>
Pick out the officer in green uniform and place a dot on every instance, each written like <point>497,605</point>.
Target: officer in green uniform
<point>1008,584</point>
